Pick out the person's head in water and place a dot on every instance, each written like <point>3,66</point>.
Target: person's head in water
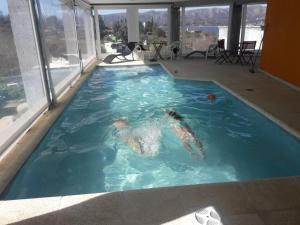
<point>212,97</point>
<point>175,115</point>
<point>121,123</point>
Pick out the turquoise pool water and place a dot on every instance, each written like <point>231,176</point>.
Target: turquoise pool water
<point>83,152</point>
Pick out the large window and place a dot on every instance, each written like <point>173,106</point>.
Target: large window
<point>22,94</point>
<point>203,26</point>
<point>253,23</point>
<point>59,34</point>
<point>153,25</point>
<point>113,30</point>
<point>85,34</point>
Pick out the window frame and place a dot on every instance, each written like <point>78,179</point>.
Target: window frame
<point>183,13</point>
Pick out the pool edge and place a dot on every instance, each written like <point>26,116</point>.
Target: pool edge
<point>230,199</point>
<point>13,158</point>
<point>252,105</point>
<point>269,116</point>
<point>9,165</point>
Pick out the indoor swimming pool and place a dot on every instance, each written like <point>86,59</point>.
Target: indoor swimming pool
<point>134,127</point>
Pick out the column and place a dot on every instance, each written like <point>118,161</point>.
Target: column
<point>88,31</point>
<point>97,27</point>
<point>235,25</point>
<point>133,24</point>
<point>174,24</point>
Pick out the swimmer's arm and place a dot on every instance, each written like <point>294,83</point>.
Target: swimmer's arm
<point>133,143</point>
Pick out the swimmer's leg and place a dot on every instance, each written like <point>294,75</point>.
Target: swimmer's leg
<point>133,143</point>
<point>188,147</point>
<point>199,145</point>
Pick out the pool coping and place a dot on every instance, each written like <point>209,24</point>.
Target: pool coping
<point>252,202</point>
<point>275,120</point>
<point>13,159</point>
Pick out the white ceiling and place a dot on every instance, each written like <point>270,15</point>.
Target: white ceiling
<point>185,2</point>
<point>128,1</point>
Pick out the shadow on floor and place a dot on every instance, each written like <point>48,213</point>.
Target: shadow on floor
<point>262,202</point>
<point>151,206</point>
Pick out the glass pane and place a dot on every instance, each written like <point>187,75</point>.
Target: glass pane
<point>153,25</point>
<point>181,23</point>
<point>255,21</point>
<point>203,26</point>
<point>59,34</point>
<point>113,30</point>
<point>22,93</point>
<point>85,35</point>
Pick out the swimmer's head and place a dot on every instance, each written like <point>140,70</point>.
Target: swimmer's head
<point>120,123</point>
<point>174,115</point>
<point>211,97</point>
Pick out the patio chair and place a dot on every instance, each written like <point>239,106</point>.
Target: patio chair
<point>125,51</point>
<point>211,51</point>
<point>143,52</point>
<point>223,54</point>
<point>246,52</point>
<point>175,49</point>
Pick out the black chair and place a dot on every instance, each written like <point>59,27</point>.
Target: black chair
<point>125,50</point>
<point>141,47</point>
<point>223,54</point>
<point>246,52</point>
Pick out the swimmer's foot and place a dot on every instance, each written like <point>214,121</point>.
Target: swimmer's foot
<point>194,156</point>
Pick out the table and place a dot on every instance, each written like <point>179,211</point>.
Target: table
<point>157,47</point>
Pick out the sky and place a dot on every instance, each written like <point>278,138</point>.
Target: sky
<point>111,11</point>
<point>114,11</point>
<point>206,7</point>
<point>3,7</point>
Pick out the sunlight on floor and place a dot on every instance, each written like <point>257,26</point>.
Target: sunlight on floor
<point>203,216</point>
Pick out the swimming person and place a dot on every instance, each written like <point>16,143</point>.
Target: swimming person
<point>184,132</point>
<point>144,140</point>
<point>122,126</point>
<point>211,97</point>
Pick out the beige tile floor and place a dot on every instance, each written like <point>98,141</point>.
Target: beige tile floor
<point>263,202</point>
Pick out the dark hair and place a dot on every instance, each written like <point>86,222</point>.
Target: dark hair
<point>175,115</point>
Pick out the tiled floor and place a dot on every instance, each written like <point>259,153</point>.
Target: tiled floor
<point>264,202</point>
<point>268,202</point>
